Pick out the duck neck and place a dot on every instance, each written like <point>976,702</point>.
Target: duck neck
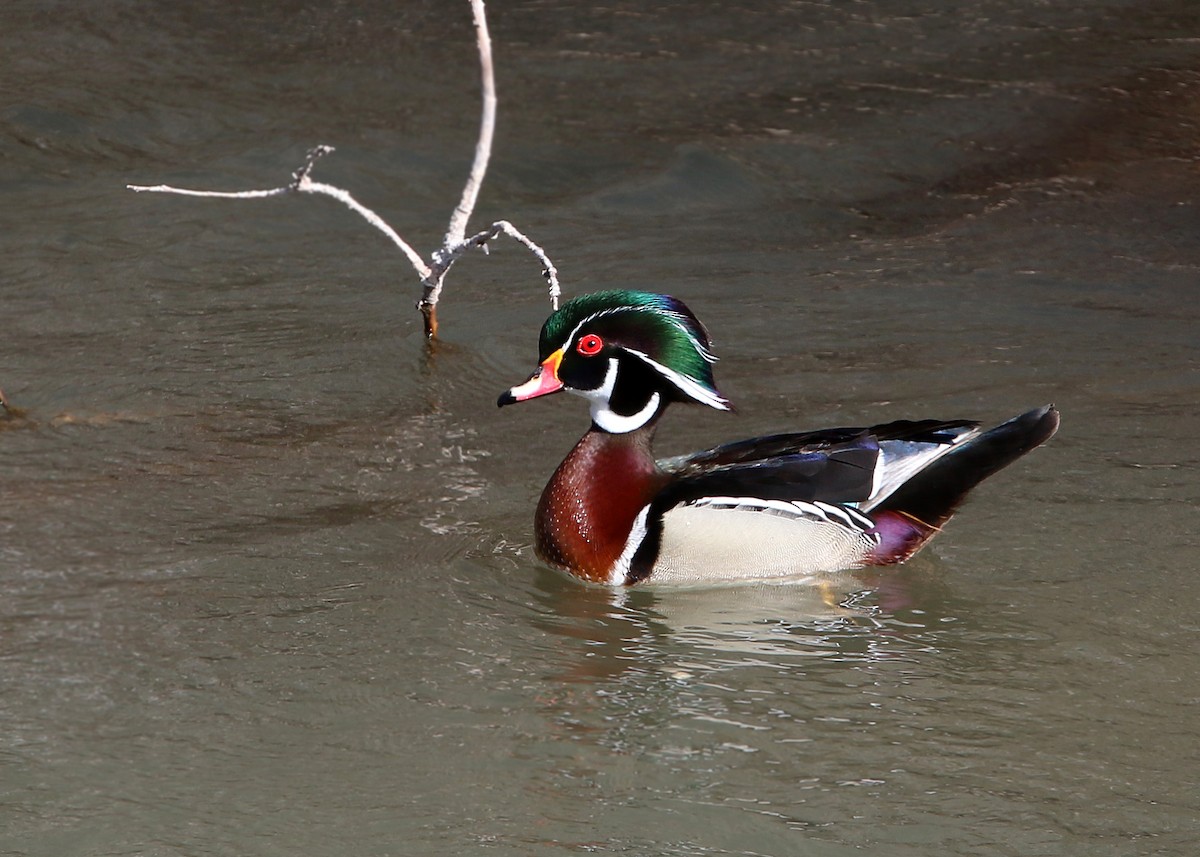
<point>588,508</point>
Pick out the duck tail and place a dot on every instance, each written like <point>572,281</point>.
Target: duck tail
<point>911,515</point>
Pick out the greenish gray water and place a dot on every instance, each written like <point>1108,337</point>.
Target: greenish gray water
<point>265,576</point>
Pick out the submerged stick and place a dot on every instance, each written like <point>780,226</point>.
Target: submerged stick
<point>456,243</point>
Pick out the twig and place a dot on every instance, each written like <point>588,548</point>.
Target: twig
<point>455,244</point>
<point>549,271</point>
<point>302,183</point>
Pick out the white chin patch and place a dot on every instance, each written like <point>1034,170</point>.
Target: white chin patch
<point>608,419</point>
<point>615,423</point>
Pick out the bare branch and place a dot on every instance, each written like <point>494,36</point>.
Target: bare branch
<point>549,271</point>
<point>315,154</point>
<point>455,244</point>
<point>215,194</point>
<point>302,183</point>
<point>371,217</point>
<point>487,130</point>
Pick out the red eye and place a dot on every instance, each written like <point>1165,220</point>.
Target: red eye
<point>589,345</point>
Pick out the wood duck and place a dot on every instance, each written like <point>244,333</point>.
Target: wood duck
<point>784,506</point>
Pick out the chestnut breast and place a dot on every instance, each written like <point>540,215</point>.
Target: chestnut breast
<point>589,506</point>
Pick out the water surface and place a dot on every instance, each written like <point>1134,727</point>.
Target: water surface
<point>266,584</point>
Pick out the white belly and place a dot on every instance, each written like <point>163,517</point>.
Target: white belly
<point>703,544</point>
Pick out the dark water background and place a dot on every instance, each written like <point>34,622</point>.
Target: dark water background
<point>265,577</point>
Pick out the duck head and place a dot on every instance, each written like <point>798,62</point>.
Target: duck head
<point>630,354</point>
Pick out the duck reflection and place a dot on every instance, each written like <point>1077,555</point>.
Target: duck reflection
<point>848,618</point>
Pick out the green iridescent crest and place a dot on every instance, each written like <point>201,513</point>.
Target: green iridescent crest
<point>658,329</point>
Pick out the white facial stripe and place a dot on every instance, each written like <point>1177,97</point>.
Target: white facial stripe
<point>571,337</point>
<point>675,318</point>
<point>687,386</point>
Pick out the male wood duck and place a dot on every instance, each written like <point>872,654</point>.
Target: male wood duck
<point>783,506</point>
